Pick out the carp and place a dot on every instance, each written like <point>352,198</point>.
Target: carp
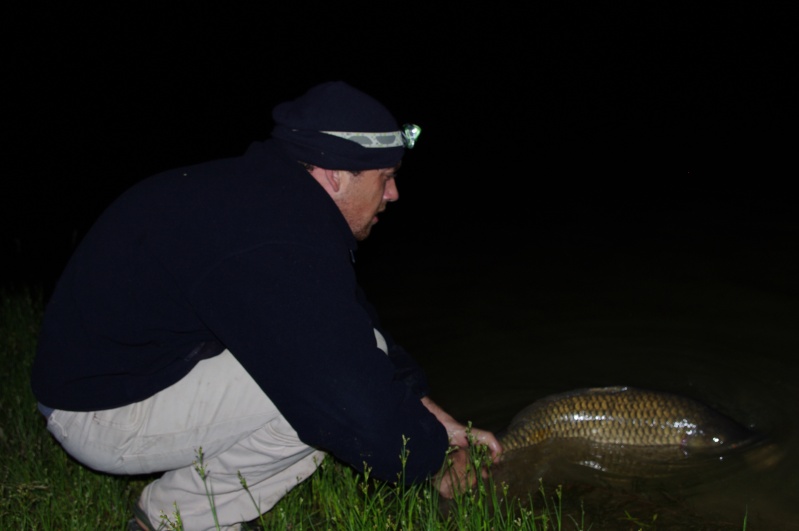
<point>624,417</point>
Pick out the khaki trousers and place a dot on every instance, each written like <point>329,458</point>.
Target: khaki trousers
<point>217,407</point>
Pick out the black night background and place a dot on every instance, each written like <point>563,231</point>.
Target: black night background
<point>605,118</point>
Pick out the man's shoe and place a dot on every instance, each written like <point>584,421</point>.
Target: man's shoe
<point>139,522</point>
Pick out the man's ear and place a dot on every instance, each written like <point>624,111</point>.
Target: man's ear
<point>329,179</point>
<point>334,178</point>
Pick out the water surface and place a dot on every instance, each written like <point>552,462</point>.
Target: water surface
<point>706,309</point>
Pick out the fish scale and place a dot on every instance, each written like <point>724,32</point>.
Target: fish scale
<point>623,416</point>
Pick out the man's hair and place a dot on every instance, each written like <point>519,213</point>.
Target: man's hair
<point>310,168</point>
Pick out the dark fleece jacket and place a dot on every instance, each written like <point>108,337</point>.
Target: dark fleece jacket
<point>248,254</point>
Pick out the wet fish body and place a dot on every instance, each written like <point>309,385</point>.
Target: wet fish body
<point>624,416</point>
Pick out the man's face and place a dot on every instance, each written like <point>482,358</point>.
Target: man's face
<point>361,197</point>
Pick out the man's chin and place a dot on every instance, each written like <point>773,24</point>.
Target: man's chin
<point>363,233</point>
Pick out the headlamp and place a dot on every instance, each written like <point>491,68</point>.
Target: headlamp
<point>406,137</point>
<point>410,132</point>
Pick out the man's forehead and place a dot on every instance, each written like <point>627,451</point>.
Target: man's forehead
<point>381,172</point>
<point>391,170</point>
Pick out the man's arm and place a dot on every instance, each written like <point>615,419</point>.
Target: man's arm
<point>457,476</point>
<point>288,314</point>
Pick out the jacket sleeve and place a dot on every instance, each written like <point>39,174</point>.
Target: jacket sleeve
<point>406,368</point>
<point>293,317</point>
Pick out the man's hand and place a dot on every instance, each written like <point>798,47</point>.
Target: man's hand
<point>460,474</point>
<point>457,475</point>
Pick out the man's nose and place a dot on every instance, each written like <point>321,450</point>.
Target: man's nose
<point>391,192</point>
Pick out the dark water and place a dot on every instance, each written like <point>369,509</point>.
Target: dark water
<point>706,308</point>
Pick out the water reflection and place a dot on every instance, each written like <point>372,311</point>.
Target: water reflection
<point>711,314</point>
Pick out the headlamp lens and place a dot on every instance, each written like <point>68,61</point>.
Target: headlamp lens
<point>410,132</point>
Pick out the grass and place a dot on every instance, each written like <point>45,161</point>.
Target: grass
<point>42,488</point>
